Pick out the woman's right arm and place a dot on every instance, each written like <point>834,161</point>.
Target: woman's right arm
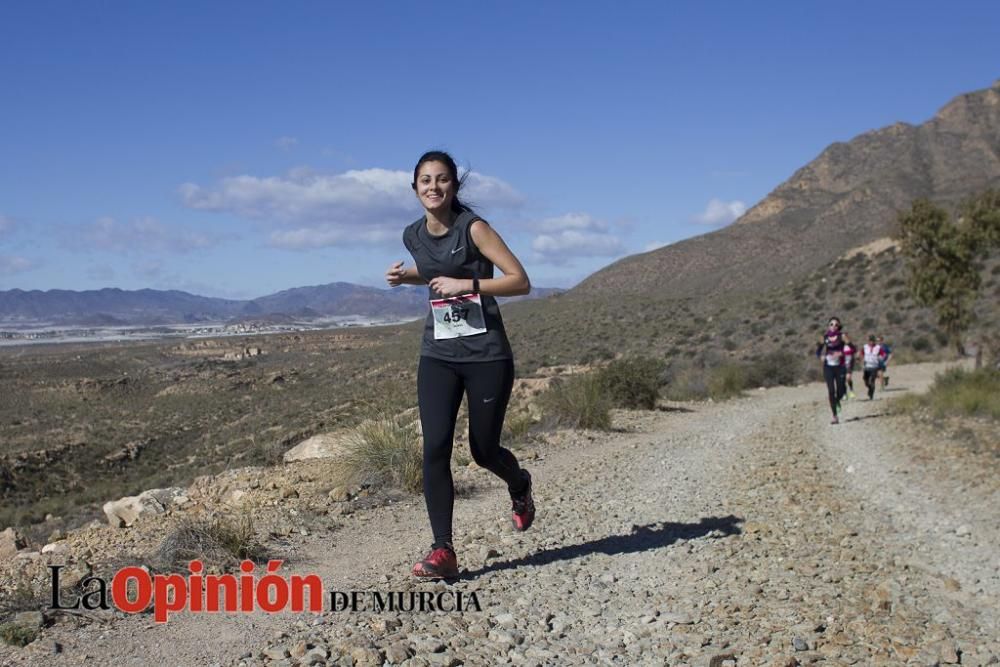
<point>398,275</point>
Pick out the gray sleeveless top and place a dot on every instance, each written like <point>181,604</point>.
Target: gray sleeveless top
<point>454,255</point>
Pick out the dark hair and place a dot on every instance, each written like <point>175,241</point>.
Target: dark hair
<point>840,325</point>
<point>440,156</point>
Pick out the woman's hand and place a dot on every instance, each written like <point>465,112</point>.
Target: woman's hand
<point>448,287</point>
<point>395,275</point>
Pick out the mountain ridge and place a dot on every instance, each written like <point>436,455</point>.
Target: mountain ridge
<point>113,306</point>
<point>847,196</point>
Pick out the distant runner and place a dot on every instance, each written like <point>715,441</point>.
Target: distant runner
<point>850,354</point>
<point>831,351</point>
<point>872,353</point>
<point>465,351</point>
<point>883,369</point>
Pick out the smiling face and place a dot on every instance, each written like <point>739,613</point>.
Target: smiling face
<point>435,186</point>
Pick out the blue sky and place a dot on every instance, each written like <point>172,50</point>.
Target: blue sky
<point>240,148</point>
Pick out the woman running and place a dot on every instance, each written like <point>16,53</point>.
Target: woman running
<point>831,350</point>
<point>464,350</point>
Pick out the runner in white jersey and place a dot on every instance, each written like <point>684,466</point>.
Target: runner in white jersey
<point>872,354</point>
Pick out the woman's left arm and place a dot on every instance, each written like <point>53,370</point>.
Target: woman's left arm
<point>514,281</point>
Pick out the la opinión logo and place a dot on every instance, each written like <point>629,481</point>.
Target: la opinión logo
<point>134,589</point>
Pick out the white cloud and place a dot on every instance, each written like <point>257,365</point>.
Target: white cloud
<point>286,143</point>
<point>720,213</point>
<point>489,191</point>
<point>575,235</point>
<point>11,264</point>
<point>314,209</point>
<point>577,221</point>
<point>303,196</point>
<point>138,235</point>
<point>329,235</point>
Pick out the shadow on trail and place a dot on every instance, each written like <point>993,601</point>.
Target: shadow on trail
<point>863,417</point>
<point>642,538</point>
<point>672,408</point>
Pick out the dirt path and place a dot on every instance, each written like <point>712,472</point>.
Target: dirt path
<point>747,532</point>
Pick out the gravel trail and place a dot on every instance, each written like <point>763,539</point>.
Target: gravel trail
<point>749,532</point>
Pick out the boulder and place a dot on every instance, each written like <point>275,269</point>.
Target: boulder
<point>125,511</point>
<point>57,548</point>
<point>322,446</point>
<point>10,543</point>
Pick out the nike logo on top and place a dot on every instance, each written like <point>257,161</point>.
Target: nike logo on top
<point>457,249</point>
<point>487,400</point>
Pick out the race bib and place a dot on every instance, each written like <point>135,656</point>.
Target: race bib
<point>833,358</point>
<point>458,316</point>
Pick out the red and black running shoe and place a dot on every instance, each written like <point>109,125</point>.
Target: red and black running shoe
<point>440,563</point>
<point>523,507</point>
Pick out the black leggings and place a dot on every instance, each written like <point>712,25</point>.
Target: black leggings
<point>440,386</point>
<point>871,375</point>
<point>836,390</point>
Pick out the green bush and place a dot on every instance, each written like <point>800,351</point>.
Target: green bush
<point>960,392</point>
<point>596,354</point>
<point>727,381</point>
<point>778,368</point>
<point>685,382</point>
<point>633,382</point>
<point>17,635</point>
<point>579,401</point>
<point>384,450</point>
<point>922,344</point>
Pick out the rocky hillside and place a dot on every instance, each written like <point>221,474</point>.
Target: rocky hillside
<point>846,197</point>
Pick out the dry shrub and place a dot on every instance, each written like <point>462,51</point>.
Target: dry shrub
<point>961,393</point>
<point>219,542</point>
<point>516,428</point>
<point>17,635</point>
<point>579,401</point>
<point>385,450</point>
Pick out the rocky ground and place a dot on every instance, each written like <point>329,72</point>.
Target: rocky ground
<point>750,532</point>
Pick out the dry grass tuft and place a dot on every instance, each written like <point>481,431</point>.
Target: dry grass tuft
<point>385,450</point>
<point>220,543</point>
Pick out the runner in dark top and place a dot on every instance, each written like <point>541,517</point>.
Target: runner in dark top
<point>831,351</point>
<point>464,350</point>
